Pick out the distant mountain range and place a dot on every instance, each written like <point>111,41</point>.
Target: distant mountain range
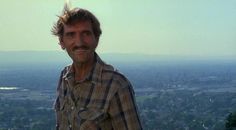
<point>37,57</point>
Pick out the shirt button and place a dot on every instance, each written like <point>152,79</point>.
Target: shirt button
<point>70,126</point>
<point>72,108</point>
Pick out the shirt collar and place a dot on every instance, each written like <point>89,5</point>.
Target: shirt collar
<point>95,74</point>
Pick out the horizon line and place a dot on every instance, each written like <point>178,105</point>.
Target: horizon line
<point>229,57</point>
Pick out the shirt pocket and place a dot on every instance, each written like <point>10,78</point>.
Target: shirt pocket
<point>91,118</point>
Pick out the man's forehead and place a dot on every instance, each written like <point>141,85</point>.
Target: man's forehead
<point>78,25</point>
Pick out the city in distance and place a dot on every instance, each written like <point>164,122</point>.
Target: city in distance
<point>173,93</point>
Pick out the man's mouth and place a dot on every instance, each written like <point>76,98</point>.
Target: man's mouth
<point>80,49</point>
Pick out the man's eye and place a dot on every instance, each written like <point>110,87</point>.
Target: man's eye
<point>86,33</point>
<point>70,34</point>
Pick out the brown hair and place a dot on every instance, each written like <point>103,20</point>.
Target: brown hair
<point>70,17</point>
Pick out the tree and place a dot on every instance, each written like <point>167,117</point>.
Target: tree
<point>231,122</point>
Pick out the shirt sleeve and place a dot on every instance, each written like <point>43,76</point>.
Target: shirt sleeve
<point>57,104</point>
<point>123,110</point>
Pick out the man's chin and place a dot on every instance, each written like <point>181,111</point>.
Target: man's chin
<point>81,52</point>
<point>81,57</point>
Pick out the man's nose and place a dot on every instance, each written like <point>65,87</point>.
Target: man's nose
<point>79,40</point>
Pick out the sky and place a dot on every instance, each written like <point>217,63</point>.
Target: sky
<point>160,27</point>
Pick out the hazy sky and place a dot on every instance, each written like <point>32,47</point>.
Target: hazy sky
<point>164,27</point>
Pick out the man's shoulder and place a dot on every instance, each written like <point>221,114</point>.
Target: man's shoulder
<point>117,77</point>
<point>118,81</point>
<point>110,69</point>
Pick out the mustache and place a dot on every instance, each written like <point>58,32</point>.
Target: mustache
<point>80,47</point>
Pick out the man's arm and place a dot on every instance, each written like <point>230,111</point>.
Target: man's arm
<point>123,110</point>
<point>60,121</point>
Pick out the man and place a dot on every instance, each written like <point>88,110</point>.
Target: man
<point>91,94</point>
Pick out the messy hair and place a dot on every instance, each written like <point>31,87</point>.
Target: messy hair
<point>70,17</point>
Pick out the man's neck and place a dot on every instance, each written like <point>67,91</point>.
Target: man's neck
<point>83,69</point>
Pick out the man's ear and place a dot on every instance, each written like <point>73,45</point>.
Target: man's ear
<point>61,43</point>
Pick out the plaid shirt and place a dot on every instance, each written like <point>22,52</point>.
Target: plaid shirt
<point>103,101</point>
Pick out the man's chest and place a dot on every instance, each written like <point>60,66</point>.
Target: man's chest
<point>87,102</point>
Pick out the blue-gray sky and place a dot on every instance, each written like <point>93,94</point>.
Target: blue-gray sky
<point>163,27</point>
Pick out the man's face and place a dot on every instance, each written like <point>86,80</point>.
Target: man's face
<point>79,41</point>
